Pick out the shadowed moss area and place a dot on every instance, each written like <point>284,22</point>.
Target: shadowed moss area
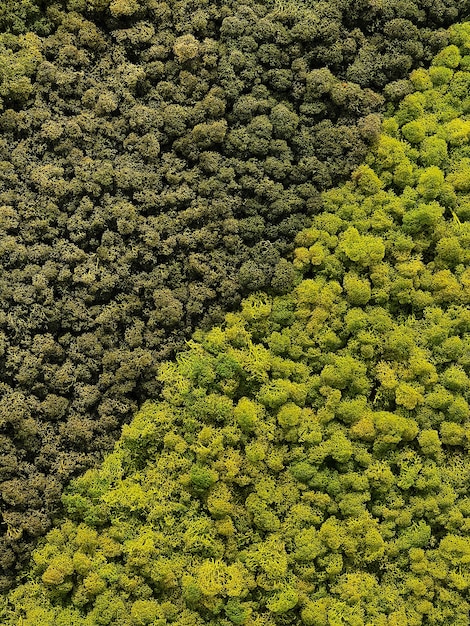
<point>307,462</point>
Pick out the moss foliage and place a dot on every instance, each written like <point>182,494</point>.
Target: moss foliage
<point>156,163</point>
<point>308,461</point>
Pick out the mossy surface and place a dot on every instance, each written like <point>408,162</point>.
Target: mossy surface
<point>307,462</point>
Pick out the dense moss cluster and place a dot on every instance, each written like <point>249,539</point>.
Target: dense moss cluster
<point>156,162</point>
<point>308,460</point>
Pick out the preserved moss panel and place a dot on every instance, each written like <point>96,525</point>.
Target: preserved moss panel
<point>307,462</point>
<point>156,162</point>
